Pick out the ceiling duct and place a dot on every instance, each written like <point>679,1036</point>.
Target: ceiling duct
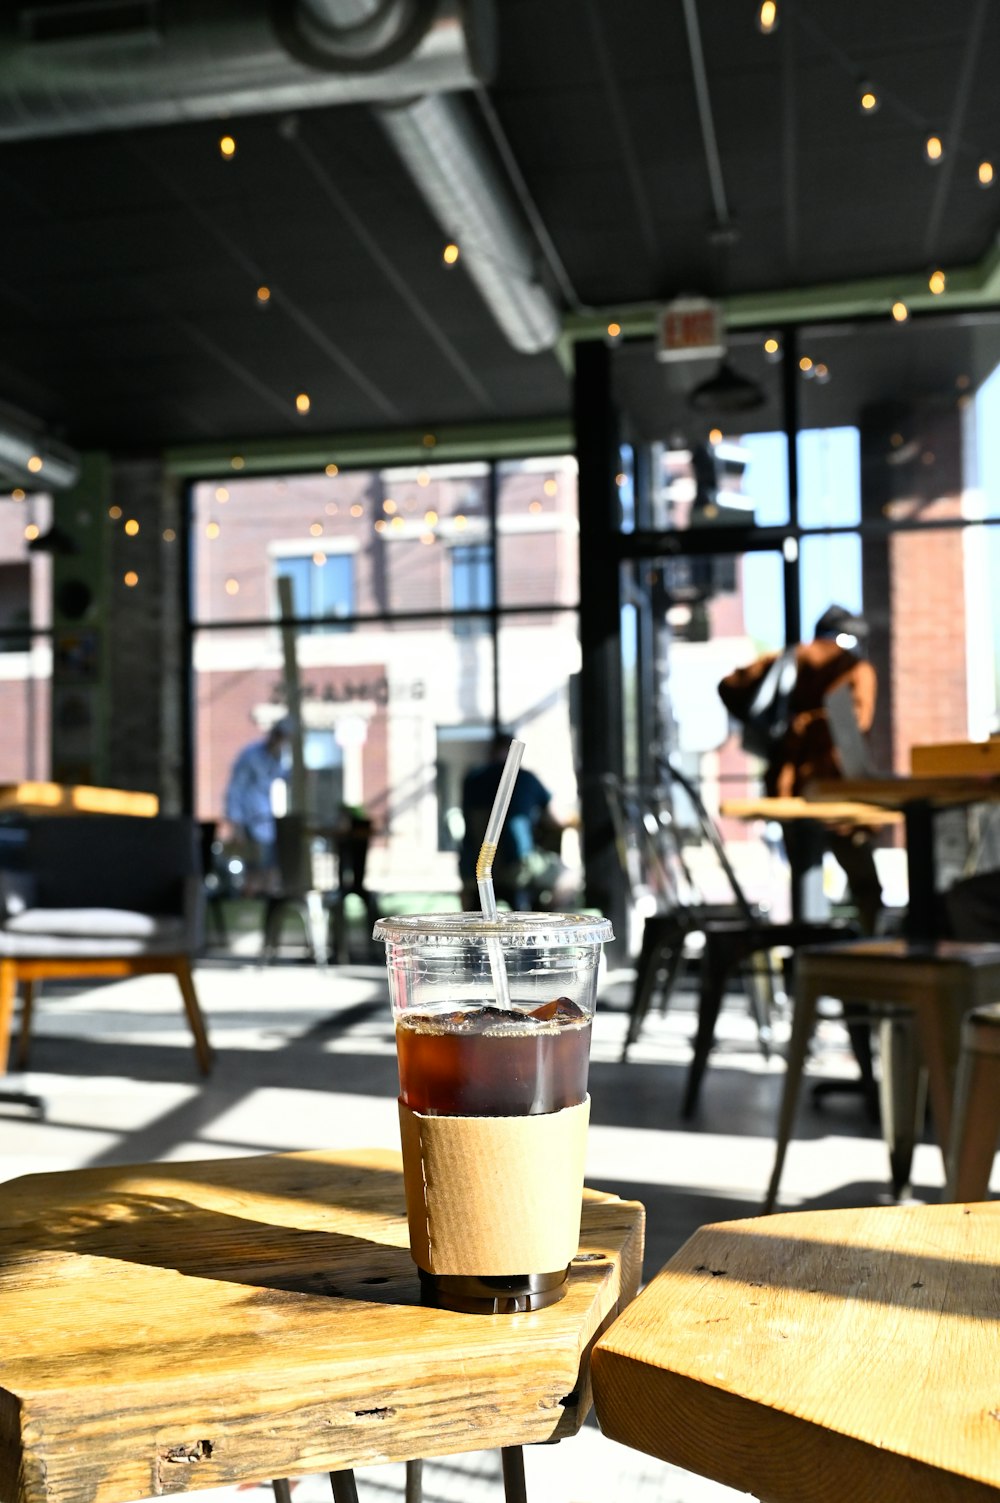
<point>70,68</point>
<point>473,205</point>
<point>33,461</point>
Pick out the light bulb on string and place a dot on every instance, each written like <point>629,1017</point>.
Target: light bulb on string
<point>985,174</point>
<point>868,100</point>
<point>450,254</point>
<point>934,149</point>
<point>937,282</point>
<point>767,17</point>
<point>900,311</point>
<point>772,349</point>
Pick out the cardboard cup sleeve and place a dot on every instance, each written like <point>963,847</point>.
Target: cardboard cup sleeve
<point>490,1196</point>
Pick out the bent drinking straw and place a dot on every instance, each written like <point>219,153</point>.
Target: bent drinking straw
<point>484,867</point>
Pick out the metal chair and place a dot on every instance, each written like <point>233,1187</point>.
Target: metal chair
<point>738,934</point>
<point>296,891</point>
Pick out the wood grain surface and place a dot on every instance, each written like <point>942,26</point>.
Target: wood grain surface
<point>821,1356</point>
<point>897,792</point>
<point>76,798</point>
<point>842,811</point>
<point>180,1326</point>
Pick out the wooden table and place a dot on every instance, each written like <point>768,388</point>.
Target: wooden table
<point>819,1357</point>
<point>169,1327</point>
<point>74,798</point>
<point>839,812</point>
<point>918,799</point>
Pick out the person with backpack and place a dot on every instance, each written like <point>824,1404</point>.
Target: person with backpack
<point>800,749</point>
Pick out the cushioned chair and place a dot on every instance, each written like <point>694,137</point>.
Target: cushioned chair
<point>98,895</point>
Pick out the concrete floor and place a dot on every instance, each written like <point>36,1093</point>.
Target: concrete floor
<point>305,1059</point>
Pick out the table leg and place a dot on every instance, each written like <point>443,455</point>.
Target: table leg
<point>282,1491</point>
<point>344,1487</point>
<point>512,1461</point>
<point>921,916</point>
<point>414,1481</point>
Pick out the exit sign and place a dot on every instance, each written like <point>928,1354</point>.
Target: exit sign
<point>690,329</point>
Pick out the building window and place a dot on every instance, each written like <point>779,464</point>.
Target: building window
<point>471,584</point>
<point>322,585</point>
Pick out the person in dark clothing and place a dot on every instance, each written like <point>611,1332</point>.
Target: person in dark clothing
<point>520,869</point>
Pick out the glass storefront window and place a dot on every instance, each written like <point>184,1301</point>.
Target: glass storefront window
<point>538,533</point>
<point>392,580</point>
<point>25,645</point>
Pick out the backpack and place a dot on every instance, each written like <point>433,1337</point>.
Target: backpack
<point>766,721</point>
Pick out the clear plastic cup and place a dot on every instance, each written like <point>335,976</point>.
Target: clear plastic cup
<point>482,1189</point>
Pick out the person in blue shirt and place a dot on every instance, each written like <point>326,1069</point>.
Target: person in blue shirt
<point>522,873</point>
<point>249,800</point>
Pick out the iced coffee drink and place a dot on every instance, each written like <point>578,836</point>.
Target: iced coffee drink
<point>493,1098</point>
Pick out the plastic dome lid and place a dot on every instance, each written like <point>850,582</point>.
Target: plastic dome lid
<point>515,930</point>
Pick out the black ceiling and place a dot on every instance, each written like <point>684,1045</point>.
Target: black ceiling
<point>130,259</point>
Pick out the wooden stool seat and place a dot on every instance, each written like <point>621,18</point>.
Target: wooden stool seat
<point>822,1356</point>
<point>172,1327</point>
<point>933,986</point>
<point>975,1127</point>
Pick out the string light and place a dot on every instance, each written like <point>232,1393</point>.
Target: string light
<point>934,149</point>
<point>221,494</point>
<point>212,530</point>
<point>357,509</point>
<point>461,521</point>
<point>237,462</point>
<point>169,535</point>
<point>984,173</point>
<point>232,587</point>
<point>767,17</point>
<point>316,529</point>
<point>17,494</point>
<point>114,512</point>
<point>450,254</point>
<point>35,463</point>
<point>31,531</point>
<point>551,487</point>
<point>380,524</point>
<point>868,100</point>
<point>937,282</point>
<point>227,148</point>
<point>389,506</point>
<point>427,537</point>
<point>302,402</point>
<point>132,527</point>
<point>772,349</point>
<point>613,332</point>
<point>805,365</point>
<point>715,436</point>
<point>430,518</point>
<point>900,311</point>
<point>319,559</point>
<point>429,440</point>
<point>263,296</point>
<point>131,579</point>
<point>332,469</point>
